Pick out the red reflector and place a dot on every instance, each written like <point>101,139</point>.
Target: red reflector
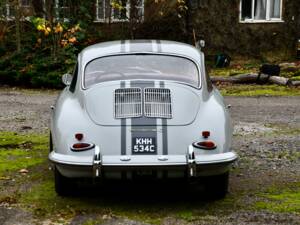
<point>205,134</point>
<point>207,145</point>
<point>82,146</point>
<point>79,136</point>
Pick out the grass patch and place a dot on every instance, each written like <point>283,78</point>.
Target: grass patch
<point>281,129</point>
<point>258,90</point>
<point>296,78</point>
<point>21,151</point>
<point>35,191</point>
<point>93,222</point>
<point>44,202</point>
<point>286,200</point>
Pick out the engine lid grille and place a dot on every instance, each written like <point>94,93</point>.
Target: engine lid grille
<point>128,103</point>
<point>157,103</point>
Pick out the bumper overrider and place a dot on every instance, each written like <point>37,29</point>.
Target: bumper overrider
<point>194,165</point>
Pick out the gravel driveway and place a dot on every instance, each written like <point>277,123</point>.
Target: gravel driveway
<point>266,135</point>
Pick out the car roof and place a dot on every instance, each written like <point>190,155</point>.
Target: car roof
<point>139,46</point>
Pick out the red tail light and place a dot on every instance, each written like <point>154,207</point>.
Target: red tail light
<point>82,146</point>
<point>205,134</point>
<point>206,145</point>
<point>79,136</point>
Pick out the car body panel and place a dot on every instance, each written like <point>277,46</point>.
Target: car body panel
<point>185,103</point>
<point>91,112</point>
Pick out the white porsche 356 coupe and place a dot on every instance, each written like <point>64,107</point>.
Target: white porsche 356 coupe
<point>143,108</point>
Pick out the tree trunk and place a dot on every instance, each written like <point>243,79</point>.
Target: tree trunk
<point>279,80</point>
<point>18,25</point>
<point>38,8</point>
<point>243,78</point>
<point>296,83</point>
<point>252,78</point>
<point>188,25</point>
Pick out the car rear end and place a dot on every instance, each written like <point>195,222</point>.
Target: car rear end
<point>142,114</point>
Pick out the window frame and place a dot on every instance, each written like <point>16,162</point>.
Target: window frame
<point>72,87</point>
<point>200,74</point>
<point>58,8</point>
<point>268,18</point>
<point>112,19</point>
<point>7,11</point>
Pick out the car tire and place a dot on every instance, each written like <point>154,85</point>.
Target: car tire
<point>64,186</point>
<point>217,186</point>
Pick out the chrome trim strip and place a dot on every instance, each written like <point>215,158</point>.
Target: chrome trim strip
<point>97,162</point>
<point>200,75</point>
<point>84,148</point>
<point>191,162</point>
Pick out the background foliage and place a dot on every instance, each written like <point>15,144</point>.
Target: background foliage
<point>35,52</point>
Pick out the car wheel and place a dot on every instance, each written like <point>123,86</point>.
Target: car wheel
<point>217,186</point>
<point>64,186</point>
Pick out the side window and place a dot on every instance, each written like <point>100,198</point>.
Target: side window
<point>74,80</point>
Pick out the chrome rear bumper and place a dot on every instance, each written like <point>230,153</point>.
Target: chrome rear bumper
<point>191,164</point>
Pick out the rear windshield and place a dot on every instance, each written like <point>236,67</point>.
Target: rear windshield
<point>141,66</point>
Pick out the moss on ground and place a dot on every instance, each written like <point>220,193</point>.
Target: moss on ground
<point>44,202</point>
<point>282,200</point>
<point>21,151</point>
<point>296,78</point>
<point>226,72</point>
<point>93,222</point>
<point>282,129</point>
<point>258,90</point>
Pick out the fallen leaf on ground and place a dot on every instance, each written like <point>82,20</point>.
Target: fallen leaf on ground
<point>23,171</point>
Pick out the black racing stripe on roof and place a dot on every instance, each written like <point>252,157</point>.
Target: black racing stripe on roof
<point>164,128</point>
<point>123,129</point>
<point>140,46</point>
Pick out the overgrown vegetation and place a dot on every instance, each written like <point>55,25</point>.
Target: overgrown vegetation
<point>50,52</point>
<point>36,52</point>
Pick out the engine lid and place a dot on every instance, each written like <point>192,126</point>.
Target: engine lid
<point>176,104</point>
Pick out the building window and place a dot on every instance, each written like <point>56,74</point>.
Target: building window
<point>62,10</point>
<point>25,3</point>
<point>119,11</point>
<point>8,9</point>
<point>261,11</point>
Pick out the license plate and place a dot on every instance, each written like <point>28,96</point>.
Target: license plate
<point>142,145</point>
